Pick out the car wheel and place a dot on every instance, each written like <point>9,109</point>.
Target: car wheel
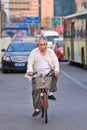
<point>4,70</point>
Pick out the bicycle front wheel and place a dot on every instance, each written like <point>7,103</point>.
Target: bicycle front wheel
<point>45,108</point>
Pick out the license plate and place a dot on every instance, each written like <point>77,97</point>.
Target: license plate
<point>19,64</point>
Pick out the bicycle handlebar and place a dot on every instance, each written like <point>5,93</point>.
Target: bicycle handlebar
<point>41,75</point>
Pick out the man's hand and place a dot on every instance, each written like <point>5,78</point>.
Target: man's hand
<point>56,74</point>
<point>30,73</point>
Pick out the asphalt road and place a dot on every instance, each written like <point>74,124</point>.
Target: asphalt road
<point>68,112</point>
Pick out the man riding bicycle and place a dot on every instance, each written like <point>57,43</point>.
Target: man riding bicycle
<point>42,60</point>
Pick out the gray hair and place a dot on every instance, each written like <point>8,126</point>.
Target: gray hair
<point>42,39</point>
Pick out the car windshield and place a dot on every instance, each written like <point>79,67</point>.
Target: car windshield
<point>50,38</point>
<point>20,47</point>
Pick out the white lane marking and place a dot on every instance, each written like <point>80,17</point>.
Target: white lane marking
<point>73,79</point>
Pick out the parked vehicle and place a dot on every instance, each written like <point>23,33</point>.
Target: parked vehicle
<point>15,57</point>
<point>50,35</point>
<point>59,47</point>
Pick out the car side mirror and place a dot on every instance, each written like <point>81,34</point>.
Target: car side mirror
<point>3,50</point>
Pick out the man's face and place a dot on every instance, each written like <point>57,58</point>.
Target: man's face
<point>42,45</point>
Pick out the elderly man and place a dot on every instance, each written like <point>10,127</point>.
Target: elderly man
<point>42,60</point>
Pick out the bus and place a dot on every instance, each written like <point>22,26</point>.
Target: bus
<point>75,38</point>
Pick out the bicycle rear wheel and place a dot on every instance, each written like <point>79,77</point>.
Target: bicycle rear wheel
<point>45,108</point>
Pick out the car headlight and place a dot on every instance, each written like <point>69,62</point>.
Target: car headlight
<point>6,58</point>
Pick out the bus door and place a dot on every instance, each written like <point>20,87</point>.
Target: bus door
<point>86,42</point>
<point>72,40</point>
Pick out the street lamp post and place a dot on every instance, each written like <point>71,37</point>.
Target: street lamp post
<point>40,11</point>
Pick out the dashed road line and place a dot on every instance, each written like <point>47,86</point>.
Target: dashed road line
<point>74,80</point>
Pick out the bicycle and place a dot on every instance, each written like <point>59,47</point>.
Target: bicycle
<point>43,83</point>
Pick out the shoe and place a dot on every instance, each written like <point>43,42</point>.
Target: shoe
<point>36,113</point>
<point>51,97</point>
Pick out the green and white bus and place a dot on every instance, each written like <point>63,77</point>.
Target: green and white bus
<point>75,38</point>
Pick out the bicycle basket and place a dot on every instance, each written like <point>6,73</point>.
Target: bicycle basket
<point>43,82</point>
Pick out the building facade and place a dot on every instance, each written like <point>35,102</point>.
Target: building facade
<point>3,18</point>
<point>81,5</point>
<point>31,8</point>
<point>63,8</point>
<point>20,10</point>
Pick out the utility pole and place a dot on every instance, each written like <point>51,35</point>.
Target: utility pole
<point>40,11</point>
